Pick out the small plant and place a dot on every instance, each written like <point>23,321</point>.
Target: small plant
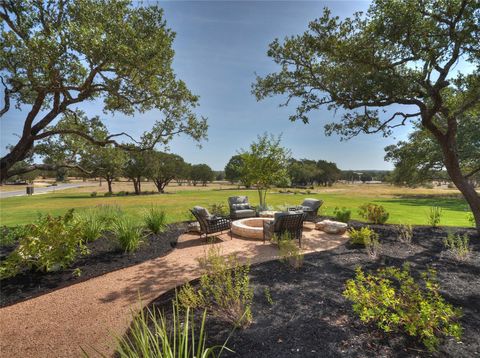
<point>457,246</point>
<point>50,243</point>
<point>107,194</point>
<point>108,214</point>
<point>91,224</point>
<point>405,233</point>
<point>218,209</point>
<point>122,193</point>
<point>93,194</point>
<point>343,215</point>
<point>268,296</point>
<point>366,237</point>
<point>290,253</point>
<point>77,272</point>
<point>128,234</point>
<point>155,220</point>
<point>393,300</point>
<point>224,289</point>
<point>374,213</point>
<point>434,216</point>
<point>152,336</point>
<point>471,219</point>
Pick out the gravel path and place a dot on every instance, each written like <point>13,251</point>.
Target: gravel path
<point>87,314</point>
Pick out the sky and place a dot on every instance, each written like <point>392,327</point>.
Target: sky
<point>219,47</point>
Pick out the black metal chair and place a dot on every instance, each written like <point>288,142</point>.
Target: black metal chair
<point>310,207</point>
<point>240,208</point>
<point>285,222</point>
<point>210,224</point>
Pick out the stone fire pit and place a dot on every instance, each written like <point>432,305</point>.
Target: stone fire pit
<point>251,228</point>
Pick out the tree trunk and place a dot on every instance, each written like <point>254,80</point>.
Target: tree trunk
<point>137,185</point>
<point>451,161</point>
<point>160,185</point>
<point>109,182</point>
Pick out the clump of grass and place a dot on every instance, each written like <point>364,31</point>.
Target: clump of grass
<point>152,335</point>
<point>458,246</point>
<point>128,234</point>
<point>155,220</point>
<point>109,214</point>
<point>91,224</point>
<point>434,216</point>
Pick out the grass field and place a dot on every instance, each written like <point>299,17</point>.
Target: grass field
<point>404,205</point>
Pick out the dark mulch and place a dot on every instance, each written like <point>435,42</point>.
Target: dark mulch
<point>104,257</point>
<point>310,317</point>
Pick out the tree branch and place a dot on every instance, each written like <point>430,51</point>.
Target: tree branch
<point>49,167</point>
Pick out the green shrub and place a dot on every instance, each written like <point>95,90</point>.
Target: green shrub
<point>471,219</point>
<point>434,216</point>
<point>361,236</point>
<point>151,335</point>
<point>405,233</point>
<point>457,246</point>
<point>289,252</point>
<point>366,237</point>
<point>128,234</point>
<point>373,213</point>
<point>224,289</point>
<point>50,243</point>
<point>107,194</point>
<point>218,209</point>
<point>122,193</point>
<point>393,300</point>
<point>155,220</point>
<point>343,215</point>
<point>93,194</point>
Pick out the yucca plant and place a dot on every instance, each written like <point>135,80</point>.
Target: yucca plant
<point>167,340</point>
<point>155,220</point>
<point>128,234</point>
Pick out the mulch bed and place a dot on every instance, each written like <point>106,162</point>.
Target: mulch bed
<point>310,318</point>
<point>104,257</point>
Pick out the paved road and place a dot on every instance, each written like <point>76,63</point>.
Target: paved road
<point>8,194</point>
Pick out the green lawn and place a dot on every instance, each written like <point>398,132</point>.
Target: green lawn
<point>402,209</point>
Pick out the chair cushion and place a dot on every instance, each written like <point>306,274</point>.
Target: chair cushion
<point>238,200</point>
<point>312,204</point>
<point>202,212</point>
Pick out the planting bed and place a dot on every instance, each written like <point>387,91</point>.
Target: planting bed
<point>310,318</point>
<point>104,257</point>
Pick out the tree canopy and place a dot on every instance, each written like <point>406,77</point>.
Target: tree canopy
<point>419,159</point>
<point>58,54</point>
<point>164,167</point>
<point>265,164</point>
<point>385,68</point>
<point>201,173</point>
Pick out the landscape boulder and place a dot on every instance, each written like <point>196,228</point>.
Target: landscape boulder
<point>331,227</point>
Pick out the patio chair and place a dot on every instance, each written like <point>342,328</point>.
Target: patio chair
<point>291,222</point>
<point>240,208</point>
<point>210,224</point>
<point>310,207</point>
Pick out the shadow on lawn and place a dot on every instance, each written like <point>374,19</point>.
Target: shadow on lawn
<point>444,203</point>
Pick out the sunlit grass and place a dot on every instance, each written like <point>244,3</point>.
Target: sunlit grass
<point>405,207</point>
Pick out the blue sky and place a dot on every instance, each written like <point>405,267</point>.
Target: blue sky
<point>219,48</point>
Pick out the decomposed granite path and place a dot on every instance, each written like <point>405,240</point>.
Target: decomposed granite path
<point>86,315</point>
